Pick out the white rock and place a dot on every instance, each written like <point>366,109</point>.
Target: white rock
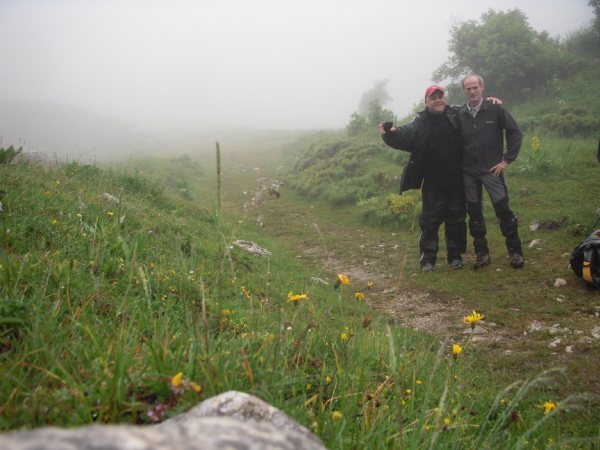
<point>557,329</point>
<point>534,226</point>
<point>252,247</point>
<point>110,198</point>
<point>477,330</point>
<point>560,282</point>
<point>535,243</point>
<point>596,333</point>
<point>230,420</point>
<point>535,326</point>
<point>318,280</point>
<point>555,343</point>
<point>569,349</point>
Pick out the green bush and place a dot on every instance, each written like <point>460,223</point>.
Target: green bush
<point>570,124</point>
<point>7,155</point>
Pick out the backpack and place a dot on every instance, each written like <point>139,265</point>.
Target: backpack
<point>585,259</point>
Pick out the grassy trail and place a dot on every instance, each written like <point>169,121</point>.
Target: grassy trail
<point>531,325</point>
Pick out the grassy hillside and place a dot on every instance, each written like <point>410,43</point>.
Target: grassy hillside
<point>125,299</point>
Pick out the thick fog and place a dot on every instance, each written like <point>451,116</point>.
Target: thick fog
<point>173,65</point>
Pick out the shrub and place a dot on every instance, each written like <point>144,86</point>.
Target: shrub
<point>7,155</point>
<point>570,124</point>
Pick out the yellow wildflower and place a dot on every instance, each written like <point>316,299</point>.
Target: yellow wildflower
<point>473,318</point>
<point>359,296</point>
<point>195,387</point>
<point>446,422</point>
<point>177,380</point>
<point>535,143</point>
<point>341,279</point>
<point>54,222</point>
<point>110,213</point>
<point>327,379</point>
<point>418,382</point>
<point>246,292</point>
<point>226,312</point>
<point>369,284</point>
<point>336,415</point>
<point>456,350</point>
<point>344,336</point>
<point>549,406</point>
<point>297,297</point>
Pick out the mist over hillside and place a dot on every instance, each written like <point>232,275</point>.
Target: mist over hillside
<point>68,132</point>
<point>71,133</point>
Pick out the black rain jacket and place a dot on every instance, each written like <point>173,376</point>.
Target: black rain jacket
<point>483,137</point>
<point>413,138</point>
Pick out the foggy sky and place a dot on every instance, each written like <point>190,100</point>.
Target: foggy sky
<point>238,63</point>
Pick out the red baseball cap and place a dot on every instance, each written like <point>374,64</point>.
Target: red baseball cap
<point>431,89</point>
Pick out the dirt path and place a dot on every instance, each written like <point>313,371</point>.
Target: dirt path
<point>527,340</point>
<point>369,256</point>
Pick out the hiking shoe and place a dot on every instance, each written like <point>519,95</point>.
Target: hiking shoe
<point>456,264</point>
<point>482,261</point>
<point>516,260</point>
<point>427,267</point>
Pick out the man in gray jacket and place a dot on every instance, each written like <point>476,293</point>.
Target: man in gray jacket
<point>484,127</point>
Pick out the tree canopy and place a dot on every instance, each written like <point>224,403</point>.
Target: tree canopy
<point>377,93</point>
<point>502,47</point>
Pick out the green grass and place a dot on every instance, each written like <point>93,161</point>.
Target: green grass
<point>103,303</point>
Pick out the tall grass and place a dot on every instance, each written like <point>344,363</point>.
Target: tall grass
<point>121,301</point>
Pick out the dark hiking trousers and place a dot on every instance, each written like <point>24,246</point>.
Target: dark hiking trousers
<point>509,226</point>
<point>448,207</point>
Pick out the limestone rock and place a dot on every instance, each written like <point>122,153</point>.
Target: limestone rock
<point>560,282</point>
<point>232,420</point>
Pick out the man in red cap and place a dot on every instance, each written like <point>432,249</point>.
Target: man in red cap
<point>434,141</point>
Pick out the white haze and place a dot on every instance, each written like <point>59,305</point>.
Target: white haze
<point>165,66</point>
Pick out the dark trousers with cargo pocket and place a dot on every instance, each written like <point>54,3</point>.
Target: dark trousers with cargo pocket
<point>496,189</point>
<point>448,207</point>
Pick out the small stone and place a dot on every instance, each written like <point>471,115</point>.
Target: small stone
<point>585,340</point>
<point>535,243</point>
<point>596,333</point>
<point>560,299</point>
<point>560,282</point>
<point>555,343</point>
<point>535,326</point>
<point>569,348</point>
<point>556,329</point>
<point>534,226</point>
<point>476,330</point>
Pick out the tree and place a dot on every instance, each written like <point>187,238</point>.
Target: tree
<point>596,5</point>
<point>370,110</point>
<point>377,92</point>
<point>511,56</point>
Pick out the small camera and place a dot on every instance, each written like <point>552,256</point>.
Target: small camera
<point>387,126</point>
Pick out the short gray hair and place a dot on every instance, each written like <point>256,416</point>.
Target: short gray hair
<point>470,75</point>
